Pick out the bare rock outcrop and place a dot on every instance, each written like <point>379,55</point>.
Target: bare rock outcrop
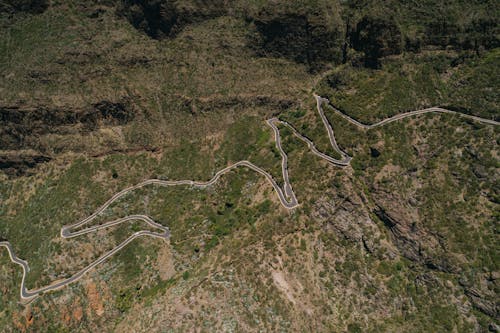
<point>346,215</point>
<point>22,128</point>
<point>162,19</point>
<point>14,163</point>
<point>411,238</point>
<point>20,125</point>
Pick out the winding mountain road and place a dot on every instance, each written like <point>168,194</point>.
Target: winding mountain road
<point>286,194</point>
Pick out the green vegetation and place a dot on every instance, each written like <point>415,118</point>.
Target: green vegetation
<point>458,81</point>
<point>200,94</point>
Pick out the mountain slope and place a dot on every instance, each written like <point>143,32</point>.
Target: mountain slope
<point>97,96</point>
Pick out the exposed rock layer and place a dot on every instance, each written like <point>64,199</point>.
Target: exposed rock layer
<point>21,125</point>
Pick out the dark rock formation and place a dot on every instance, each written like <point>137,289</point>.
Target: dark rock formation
<point>346,217</point>
<point>305,37</point>
<point>15,163</point>
<point>165,18</point>
<point>20,125</point>
<point>480,302</point>
<point>155,18</point>
<point>23,129</point>
<point>305,34</point>
<point>480,171</point>
<point>492,327</point>
<point>374,152</point>
<point>478,33</point>
<point>27,6</point>
<point>376,37</point>
<point>412,240</point>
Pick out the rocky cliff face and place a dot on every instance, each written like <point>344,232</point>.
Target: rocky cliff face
<point>412,240</point>
<point>23,127</point>
<point>308,37</point>
<point>314,33</point>
<point>162,19</point>
<point>376,37</point>
<point>20,163</point>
